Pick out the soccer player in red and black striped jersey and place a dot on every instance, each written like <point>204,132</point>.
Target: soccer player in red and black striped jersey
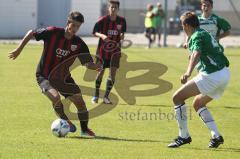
<point>61,48</point>
<point>110,29</point>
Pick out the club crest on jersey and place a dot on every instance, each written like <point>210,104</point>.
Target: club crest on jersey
<point>119,27</point>
<point>73,47</point>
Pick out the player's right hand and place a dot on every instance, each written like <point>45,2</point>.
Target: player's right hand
<point>104,37</point>
<point>14,54</point>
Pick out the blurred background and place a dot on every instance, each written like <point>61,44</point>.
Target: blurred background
<point>18,16</point>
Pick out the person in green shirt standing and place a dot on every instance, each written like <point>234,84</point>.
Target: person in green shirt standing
<point>217,26</point>
<point>158,17</point>
<point>149,25</point>
<point>206,54</point>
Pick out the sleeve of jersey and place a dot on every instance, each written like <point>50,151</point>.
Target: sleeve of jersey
<point>223,24</point>
<point>97,27</point>
<point>197,44</point>
<point>84,54</point>
<point>124,26</point>
<point>155,11</point>
<point>42,33</point>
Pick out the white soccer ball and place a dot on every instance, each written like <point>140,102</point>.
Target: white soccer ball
<point>60,128</point>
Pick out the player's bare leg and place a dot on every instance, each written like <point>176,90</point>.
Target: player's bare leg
<point>159,38</point>
<point>188,90</point>
<point>148,36</point>
<point>199,104</point>
<point>55,98</point>
<point>153,37</point>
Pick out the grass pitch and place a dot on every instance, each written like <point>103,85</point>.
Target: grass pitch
<point>140,131</point>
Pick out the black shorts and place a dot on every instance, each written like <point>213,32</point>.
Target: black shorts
<point>151,30</point>
<point>66,89</point>
<point>114,61</point>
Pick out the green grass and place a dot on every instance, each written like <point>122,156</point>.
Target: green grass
<point>26,114</point>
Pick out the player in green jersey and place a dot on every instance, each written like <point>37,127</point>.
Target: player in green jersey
<point>215,25</point>
<point>159,15</point>
<point>206,54</point>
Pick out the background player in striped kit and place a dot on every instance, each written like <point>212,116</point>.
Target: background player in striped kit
<point>110,30</point>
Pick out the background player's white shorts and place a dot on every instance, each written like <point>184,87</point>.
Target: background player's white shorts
<point>214,84</point>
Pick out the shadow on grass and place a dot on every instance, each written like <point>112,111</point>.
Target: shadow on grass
<point>147,105</point>
<point>233,55</point>
<point>230,107</point>
<point>229,149</point>
<point>117,139</point>
<point>167,106</point>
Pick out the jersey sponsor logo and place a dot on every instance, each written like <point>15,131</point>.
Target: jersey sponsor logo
<point>62,53</point>
<point>73,47</point>
<point>112,32</point>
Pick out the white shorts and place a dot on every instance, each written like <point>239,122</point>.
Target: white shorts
<point>214,84</point>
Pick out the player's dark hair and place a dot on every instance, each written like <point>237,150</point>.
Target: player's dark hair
<point>210,1</point>
<point>150,6</point>
<point>190,18</point>
<point>75,16</point>
<point>114,2</point>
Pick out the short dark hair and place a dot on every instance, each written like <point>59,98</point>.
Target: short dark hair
<point>114,2</point>
<point>190,18</point>
<point>75,16</point>
<point>150,6</point>
<point>210,1</point>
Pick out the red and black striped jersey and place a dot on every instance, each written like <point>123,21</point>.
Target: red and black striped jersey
<point>113,30</point>
<point>59,51</point>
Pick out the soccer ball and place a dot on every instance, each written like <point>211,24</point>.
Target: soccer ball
<point>60,128</point>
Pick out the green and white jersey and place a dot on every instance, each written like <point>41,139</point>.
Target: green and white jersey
<point>212,58</point>
<point>214,24</point>
<point>158,18</point>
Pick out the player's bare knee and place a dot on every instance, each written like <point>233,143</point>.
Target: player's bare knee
<point>197,103</point>
<point>56,99</point>
<point>177,99</point>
